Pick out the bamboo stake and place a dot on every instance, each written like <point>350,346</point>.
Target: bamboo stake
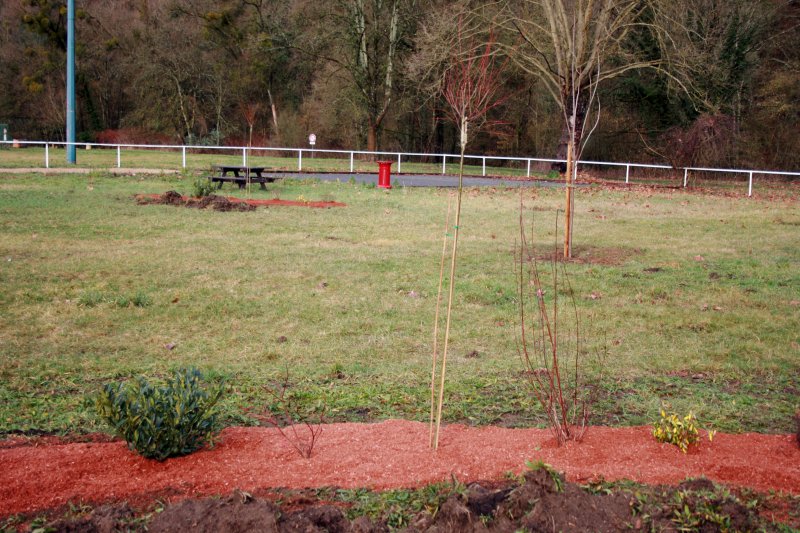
<point>452,284</point>
<point>247,169</point>
<point>436,320</point>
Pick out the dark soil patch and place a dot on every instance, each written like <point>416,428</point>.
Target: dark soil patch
<point>541,500</point>
<point>591,255</point>
<point>107,518</point>
<point>223,203</point>
<point>217,203</point>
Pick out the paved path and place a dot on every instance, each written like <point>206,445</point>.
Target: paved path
<point>81,170</point>
<point>401,180</point>
<point>423,180</point>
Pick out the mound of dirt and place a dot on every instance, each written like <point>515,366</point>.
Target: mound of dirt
<point>237,512</point>
<point>171,198</point>
<point>542,500</point>
<point>546,502</point>
<point>217,203</point>
<point>224,203</point>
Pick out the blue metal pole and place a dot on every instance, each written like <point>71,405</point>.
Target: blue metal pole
<point>71,81</point>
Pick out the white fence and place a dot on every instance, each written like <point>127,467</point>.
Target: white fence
<point>520,163</point>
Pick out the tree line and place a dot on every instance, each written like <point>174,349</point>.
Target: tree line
<point>700,82</point>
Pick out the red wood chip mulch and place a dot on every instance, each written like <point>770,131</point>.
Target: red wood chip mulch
<point>390,454</point>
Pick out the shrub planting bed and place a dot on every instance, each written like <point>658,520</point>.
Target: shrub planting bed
<point>391,455</point>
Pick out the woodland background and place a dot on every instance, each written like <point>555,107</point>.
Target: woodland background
<point>722,88</point>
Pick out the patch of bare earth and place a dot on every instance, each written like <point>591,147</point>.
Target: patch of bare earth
<point>224,203</point>
<point>591,255</point>
<point>540,501</point>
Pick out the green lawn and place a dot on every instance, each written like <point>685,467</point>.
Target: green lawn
<point>697,301</point>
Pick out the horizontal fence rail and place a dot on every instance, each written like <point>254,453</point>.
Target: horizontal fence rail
<point>323,160</point>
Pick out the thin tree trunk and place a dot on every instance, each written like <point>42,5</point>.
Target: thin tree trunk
<point>568,212</point>
<point>274,113</point>
<point>567,131</point>
<point>372,136</point>
<point>188,126</point>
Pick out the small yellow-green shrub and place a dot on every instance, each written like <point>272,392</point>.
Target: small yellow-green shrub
<point>677,430</point>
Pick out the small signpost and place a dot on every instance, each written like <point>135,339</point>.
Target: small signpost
<point>312,140</point>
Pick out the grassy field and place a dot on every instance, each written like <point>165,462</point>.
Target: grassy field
<point>696,300</point>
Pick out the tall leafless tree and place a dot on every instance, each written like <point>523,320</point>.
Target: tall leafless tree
<point>568,45</point>
<point>472,86</point>
<point>366,40</point>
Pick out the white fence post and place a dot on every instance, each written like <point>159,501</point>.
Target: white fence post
<point>244,157</point>
<point>627,173</point>
<point>299,160</point>
<point>444,163</point>
<point>119,157</point>
<point>528,172</point>
<point>484,165</point>
<point>46,155</point>
<point>351,162</point>
<point>183,156</point>
<point>750,184</point>
<point>685,176</point>
<point>398,163</point>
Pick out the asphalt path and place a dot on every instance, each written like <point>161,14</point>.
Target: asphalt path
<point>398,180</point>
<point>420,180</point>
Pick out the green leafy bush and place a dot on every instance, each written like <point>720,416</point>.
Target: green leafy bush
<point>680,431</point>
<point>202,188</point>
<point>161,421</point>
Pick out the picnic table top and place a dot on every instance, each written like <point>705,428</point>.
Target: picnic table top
<point>237,167</point>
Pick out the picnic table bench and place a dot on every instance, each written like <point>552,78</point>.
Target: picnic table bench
<point>240,175</point>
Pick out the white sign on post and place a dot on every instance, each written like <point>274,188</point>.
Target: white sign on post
<point>312,139</point>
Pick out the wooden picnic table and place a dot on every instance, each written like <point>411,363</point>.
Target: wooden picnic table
<point>240,174</point>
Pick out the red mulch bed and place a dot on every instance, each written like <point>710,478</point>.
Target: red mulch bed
<point>39,475</point>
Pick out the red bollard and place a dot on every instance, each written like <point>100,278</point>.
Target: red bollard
<point>385,174</point>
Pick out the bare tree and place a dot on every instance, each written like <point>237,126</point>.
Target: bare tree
<point>471,86</point>
<point>365,39</point>
<point>710,48</point>
<point>568,45</point>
